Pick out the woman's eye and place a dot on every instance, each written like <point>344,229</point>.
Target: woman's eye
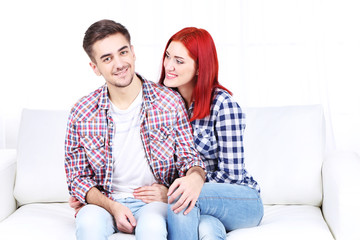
<point>179,61</point>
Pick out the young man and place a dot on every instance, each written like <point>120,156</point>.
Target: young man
<point>127,134</point>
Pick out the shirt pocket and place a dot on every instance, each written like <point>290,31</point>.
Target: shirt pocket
<point>162,143</point>
<point>204,141</point>
<point>94,147</point>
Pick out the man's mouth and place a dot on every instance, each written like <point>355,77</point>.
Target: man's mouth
<point>121,72</point>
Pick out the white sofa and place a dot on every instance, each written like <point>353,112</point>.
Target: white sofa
<point>307,194</point>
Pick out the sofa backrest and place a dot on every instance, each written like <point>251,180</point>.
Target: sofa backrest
<point>284,150</point>
<point>40,157</point>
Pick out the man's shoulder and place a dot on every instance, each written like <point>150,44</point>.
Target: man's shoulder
<point>86,105</point>
<point>163,95</point>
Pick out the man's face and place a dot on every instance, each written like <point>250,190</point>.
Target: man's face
<point>114,60</point>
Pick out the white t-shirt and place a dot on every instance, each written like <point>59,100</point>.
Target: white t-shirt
<point>131,169</point>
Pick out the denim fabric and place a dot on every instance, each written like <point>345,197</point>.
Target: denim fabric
<point>95,223</point>
<point>235,206</point>
<point>210,228</point>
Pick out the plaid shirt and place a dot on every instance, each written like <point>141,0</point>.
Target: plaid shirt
<point>165,133</point>
<point>219,139</point>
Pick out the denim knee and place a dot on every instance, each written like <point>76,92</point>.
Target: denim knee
<point>151,222</point>
<point>211,228</point>
<point>94,222</point>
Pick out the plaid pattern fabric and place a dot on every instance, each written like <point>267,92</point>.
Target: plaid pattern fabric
<point>219,139</point>
<point>165,132</point>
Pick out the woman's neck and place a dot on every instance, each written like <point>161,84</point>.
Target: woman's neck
<point>186,94</point>
<point>186,91</point>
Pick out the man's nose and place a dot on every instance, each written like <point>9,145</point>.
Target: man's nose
<point>118,62</point>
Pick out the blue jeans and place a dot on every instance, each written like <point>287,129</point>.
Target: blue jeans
<point>95,223</point>
<point>221,207</point>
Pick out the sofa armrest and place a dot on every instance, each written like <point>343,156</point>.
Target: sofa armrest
<point>7,181</point>
<point>341,181</point>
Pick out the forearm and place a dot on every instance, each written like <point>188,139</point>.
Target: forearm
<point>94,196</point>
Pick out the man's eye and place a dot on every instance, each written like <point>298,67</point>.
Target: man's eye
<point>107,59</point>
<point>123,52</point>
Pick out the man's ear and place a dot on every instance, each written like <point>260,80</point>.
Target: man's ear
<point>133,52</point>
<point>95,69</point>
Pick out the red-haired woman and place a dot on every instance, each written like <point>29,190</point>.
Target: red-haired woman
<point>230,198</point>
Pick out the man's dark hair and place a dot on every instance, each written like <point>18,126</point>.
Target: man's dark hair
<point>100,30</point>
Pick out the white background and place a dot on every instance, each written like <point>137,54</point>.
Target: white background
<point>271,53</point>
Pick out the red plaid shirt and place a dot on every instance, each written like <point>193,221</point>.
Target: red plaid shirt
<point>165,132</point>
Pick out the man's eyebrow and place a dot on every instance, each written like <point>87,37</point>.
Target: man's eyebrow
<point>109,54</point>
<point>124,47</point>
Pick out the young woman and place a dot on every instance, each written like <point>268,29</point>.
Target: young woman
<point>230,197</point>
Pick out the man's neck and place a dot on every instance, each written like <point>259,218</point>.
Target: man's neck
<point>122,97</point>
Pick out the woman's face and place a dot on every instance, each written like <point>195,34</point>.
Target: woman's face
<point>180,68</point>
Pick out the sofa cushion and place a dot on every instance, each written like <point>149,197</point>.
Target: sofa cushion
<point>283,222</point>
<point>40,157</point>
<point>56,221</point>
<point>284,150</point>
<point>41,222</point>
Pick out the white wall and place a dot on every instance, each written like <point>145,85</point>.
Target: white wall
<point>271,52</point>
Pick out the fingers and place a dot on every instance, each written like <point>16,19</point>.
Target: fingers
<point>171,190</point>
<point>191,206</point>
<point>154,193</point>
<point>125,226</point>
<point>125,221</point>
<point>76,204</point>
<point>181,204</point>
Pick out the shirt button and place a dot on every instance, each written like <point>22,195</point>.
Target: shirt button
<point>110,143</point>
<point>111,125</point>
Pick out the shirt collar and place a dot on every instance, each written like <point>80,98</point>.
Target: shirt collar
<point>149,94</point>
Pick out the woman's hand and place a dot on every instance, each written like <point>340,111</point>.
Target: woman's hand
<point>154,193</point>
<point>189,187</point>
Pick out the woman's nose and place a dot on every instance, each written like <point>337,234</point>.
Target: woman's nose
<point>168,66</point>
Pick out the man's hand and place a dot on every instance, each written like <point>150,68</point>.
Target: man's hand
<point>154,193</point>
<point>75,204</point>
<point>189,187</point>
<point>124,219</point>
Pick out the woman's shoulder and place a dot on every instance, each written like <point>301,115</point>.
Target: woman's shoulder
<point>223,98</point>
<point>225,106</point>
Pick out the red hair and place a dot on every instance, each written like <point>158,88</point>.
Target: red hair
<point>202,50</point>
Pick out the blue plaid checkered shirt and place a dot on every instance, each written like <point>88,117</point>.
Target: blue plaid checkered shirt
<point>219,140</point>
